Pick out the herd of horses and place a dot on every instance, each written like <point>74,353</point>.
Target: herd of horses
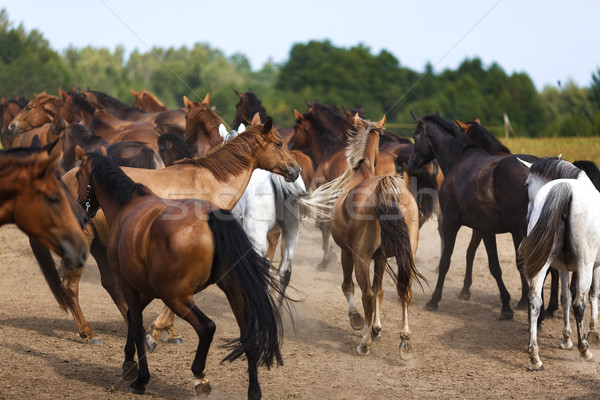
<point>169,202</point>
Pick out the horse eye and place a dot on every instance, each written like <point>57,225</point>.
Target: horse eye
<point>52,199</point>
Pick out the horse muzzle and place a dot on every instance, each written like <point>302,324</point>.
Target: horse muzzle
<point>13,129</point>
<point>292,174</point>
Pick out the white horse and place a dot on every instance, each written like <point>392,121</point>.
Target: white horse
<point>270,204</point>
<point>562,232</point>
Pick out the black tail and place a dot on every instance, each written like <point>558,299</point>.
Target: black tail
<point>251,273</point>
<point>46,263</point>
<point>395,237</point>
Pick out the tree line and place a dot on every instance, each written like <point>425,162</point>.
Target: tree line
<point>316,70</point>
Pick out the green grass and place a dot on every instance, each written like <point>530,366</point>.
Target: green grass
<point>572,149</point>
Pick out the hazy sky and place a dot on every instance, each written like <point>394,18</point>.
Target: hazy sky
<point>550,40</point>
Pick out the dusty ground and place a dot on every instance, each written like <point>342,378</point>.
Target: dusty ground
<point>460,351</point>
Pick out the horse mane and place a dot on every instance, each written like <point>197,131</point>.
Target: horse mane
<point>464,144</point>
<point>107,174</point>
<point>552,168</point>
<point>253,106</point>
<point>325,136</point>
<point>234,157</point>
<point>144,159</point>
<point>198,113</point>
<point>591,170</point>
<point>80,101</point>
<point>357,143</point>
<point>19,101</point>
<point>478,134</point>
<point>116,102</point>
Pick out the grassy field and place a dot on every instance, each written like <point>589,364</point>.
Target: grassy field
<point>572,149</point>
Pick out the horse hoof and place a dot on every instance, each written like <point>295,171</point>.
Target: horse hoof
<point>566,344</point>
<point>175,340</point>
<point>536,367</point>
<point>593,337</point>
<point>464,295</point>
<point>587,355</point>
<point>130,370</point>
<point>322,266</point>
<point>96,341</point>
<point>405,349</point>
<point>202,386</point>
<point>357,322</point>
<point>150,343</point>
<point>375,336</point>
<point>362,351</point>
<point>431,306</point>
<point>506,315</point>
<point>523,304</point>
<point>136,389</point>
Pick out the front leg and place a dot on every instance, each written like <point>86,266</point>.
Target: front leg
<point>535,307</point>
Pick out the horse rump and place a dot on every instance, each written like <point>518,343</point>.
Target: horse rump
<point>537,246</point>
<point>251,275</point>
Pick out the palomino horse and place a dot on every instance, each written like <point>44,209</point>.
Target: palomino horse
<point>153,255</point>
<point>34,199</point>
<point>220,178</point>
<point>482,191</point>
<point>562,233</point>
<point>374,218</point>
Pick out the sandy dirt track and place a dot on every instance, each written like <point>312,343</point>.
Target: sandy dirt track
<point>460,351</point>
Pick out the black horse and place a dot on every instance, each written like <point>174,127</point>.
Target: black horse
<point>482,191</point>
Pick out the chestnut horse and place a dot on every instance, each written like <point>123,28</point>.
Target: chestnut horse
<point>8,111</point>
<point>36,113</point>
<point>220,178</point>
<point>484,192</point>
<point>374,218</point>
<point>35,200</point>
<point>152,253</point>
<point>147,102</point>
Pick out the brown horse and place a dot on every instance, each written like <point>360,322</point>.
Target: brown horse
<point>220,178</point>
<point>202,126</point>
<point>34,199</point>
<point>36,113</point>
<point>8,111</point>
<point>146,101</point>
<point>374,218</point>
<point>153,255</point>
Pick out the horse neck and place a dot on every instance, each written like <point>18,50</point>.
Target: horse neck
<point>110,205</point>
<point>9,183</point>
<point>206,135</point>
<point>447,148</point>
<point>371,152</point>
<point>323,142</point>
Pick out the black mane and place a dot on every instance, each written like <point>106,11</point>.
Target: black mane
<point>486,140</point>
<point>107,174</point>
<point>591,170</point>
<point>552,168</point>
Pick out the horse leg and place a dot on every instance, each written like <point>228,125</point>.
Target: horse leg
<point>290,230</point>
<point>205,329</point>
<point>465,293</point>
<point>328,254</point>
<point>594,335</point>
<point>522,304</point>
<point>378,272</point>
<point>566,301</point>
<point>361,270</point>
<point>449,232</point>
<point>553,304</point>
<point>70,285</point>
<point>164,321</point>
<point>107,276</point>
<point>535,308</point>
<point>272,240</point>
<point>584,280</point>
<point>490,245</point>
<point>135,341</point>
<point>356,320</point>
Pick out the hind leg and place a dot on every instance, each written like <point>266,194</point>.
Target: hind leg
<point>378,272</point>
<point>135,341</point>
<point>566,301</point>
<point>594,335</point>
<point>535,307</point>
<point>465,293</point>
<point>356,320</point>
<point>584,280</point>
<point>494,265</point>
<point>361,270</point>
<point>290,230</point>
<point>328,254</point>
<point>164,321</point>
<point>554,287</point>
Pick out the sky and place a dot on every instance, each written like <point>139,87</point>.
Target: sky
<point>552,41</point>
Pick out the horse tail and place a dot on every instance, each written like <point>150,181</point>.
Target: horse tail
<point>251,274</point>
<point>46,263</point>
<point>395,237</point>
<point>537,246</point>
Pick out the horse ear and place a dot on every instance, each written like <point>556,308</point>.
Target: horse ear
<point>103,151</point>
<point>357,121</point>
<point>188,104</point>
<point>223,131</point>
<point>461,125</point>
<point>361,110</point>
<point>380,124</point>
<point>297,115</point>
<point>255,119</point>
<point>206,99</point>
<point>79,153</point>
<point>238,94</point>
<point>133,92</point>
<point>36,142</point>
<point>268,126</point>
<point>241,128</point>
<point>525,163</point>
<point>62,93</point>
<point>415,116</point>
<point>478,121</point>
<point>4,101</point>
